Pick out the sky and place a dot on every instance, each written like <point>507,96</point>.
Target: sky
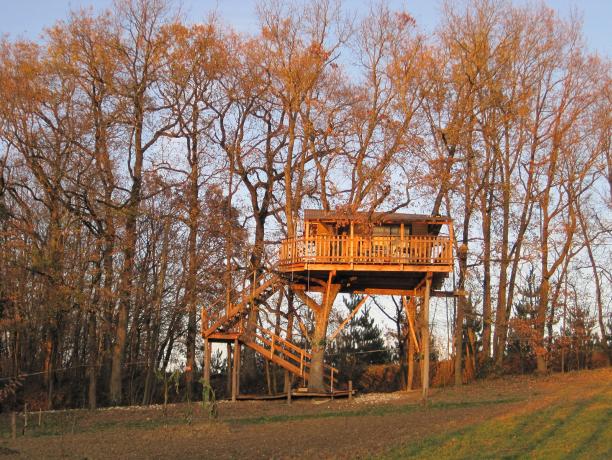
<point>27,18</point>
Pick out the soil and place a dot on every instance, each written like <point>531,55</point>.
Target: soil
<point>367,426</point>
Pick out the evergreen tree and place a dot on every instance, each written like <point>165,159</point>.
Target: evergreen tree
<point>359,344</point>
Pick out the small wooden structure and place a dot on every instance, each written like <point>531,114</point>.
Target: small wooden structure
<point>408,255</point>
<point>370,253</point>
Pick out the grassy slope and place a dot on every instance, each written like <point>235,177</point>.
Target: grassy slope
<point>566,416</point>
<point>568,428</point>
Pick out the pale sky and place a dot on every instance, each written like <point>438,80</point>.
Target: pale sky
<point>27,18</point>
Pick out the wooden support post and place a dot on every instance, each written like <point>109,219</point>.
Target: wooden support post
<point>228,369</point>
<point>350,388</point>
<point>348,318</point>
<point>425,337</point>
<point>237,364</point>
<point>410,308</point>
<point>352,246</point>
<point>207,356</point>
<point>235,369</point>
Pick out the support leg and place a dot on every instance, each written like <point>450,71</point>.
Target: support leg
<point>237,364</point>
<point>425,337</point>
<point>410,307</point>
<point>228,369</point>
<point>207,355</point>
<point>235,369</point>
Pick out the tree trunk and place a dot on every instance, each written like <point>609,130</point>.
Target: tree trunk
<point>315,379</point>
<point>192,268</point>
<point>463,250</point>
<point>540,323</point>
<point>127,274</point>
<point>93,361</point>
<point>319,337</point>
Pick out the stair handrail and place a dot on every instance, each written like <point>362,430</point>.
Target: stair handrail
<point>269,278</point>
<point>305,356</point>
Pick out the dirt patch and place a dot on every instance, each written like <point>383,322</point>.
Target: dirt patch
<point>367,426</point>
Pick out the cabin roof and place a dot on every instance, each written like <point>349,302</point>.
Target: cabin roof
<point>382,217</point>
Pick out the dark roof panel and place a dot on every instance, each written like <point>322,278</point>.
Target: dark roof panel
<point>397,217</point>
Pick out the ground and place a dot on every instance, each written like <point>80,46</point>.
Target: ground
<point>558,416</point>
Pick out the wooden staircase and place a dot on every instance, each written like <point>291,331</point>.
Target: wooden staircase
<point>231,325</point>
<point>285,354</point>
<point>230,320</point>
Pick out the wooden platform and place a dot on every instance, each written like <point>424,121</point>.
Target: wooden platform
<point>296,394</point>
<point>365,282</point>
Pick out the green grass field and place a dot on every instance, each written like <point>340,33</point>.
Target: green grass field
<point>567,429</point>
<point>559,416</point>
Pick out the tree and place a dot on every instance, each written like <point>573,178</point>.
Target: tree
<point>359,344</point>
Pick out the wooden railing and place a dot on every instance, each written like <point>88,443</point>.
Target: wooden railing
<point>287,354</point>
<point>213,319</point>
<point>326,249</point>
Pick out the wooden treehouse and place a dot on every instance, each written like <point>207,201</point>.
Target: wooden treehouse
<point>408,255</point>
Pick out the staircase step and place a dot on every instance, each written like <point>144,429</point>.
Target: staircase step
<point>275,359</point>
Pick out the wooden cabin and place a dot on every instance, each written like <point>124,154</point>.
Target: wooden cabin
<point>377,253</point>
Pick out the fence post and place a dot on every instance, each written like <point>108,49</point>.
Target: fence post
<point>13,425</point>
<point>289,385</point>
<point>350,395</point>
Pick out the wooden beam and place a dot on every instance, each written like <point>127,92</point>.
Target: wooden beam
<point>457,293</point>
<point>382,266</point>
<point>425,337</point>
<point>374,291</point>
<point>409,310</point>
<point>330,277</point>
<point>235,364</point>
<point>330,297</point>
<point>305,288</point>
<point>310,302</point>
<point>349,317</point>
<point>207,359</point>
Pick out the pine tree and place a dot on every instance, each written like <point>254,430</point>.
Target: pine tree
<point>359,345</point>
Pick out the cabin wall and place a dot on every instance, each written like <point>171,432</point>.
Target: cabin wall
<point>328,228</point>
<point>419,229</point>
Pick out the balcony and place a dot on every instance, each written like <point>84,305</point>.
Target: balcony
<point>358,253</point>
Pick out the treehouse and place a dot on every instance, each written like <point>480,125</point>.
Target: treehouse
<point>372,253</point>
<point>408,255</point>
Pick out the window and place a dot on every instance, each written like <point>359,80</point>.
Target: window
<point>386,230</point>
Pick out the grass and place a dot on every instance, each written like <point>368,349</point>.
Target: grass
<point>370,411</point>
<point>567,429</point>
<point>61,423</point>
<point>564,416</point>
<point>70,422</point>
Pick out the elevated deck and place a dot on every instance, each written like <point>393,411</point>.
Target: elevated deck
<point>367,264</point>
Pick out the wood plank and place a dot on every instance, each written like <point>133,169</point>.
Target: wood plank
<point>275,359</point>
<point>381,267</point>
<point>221,337</point>
<point>345,322</point>
<point>457,293</point>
